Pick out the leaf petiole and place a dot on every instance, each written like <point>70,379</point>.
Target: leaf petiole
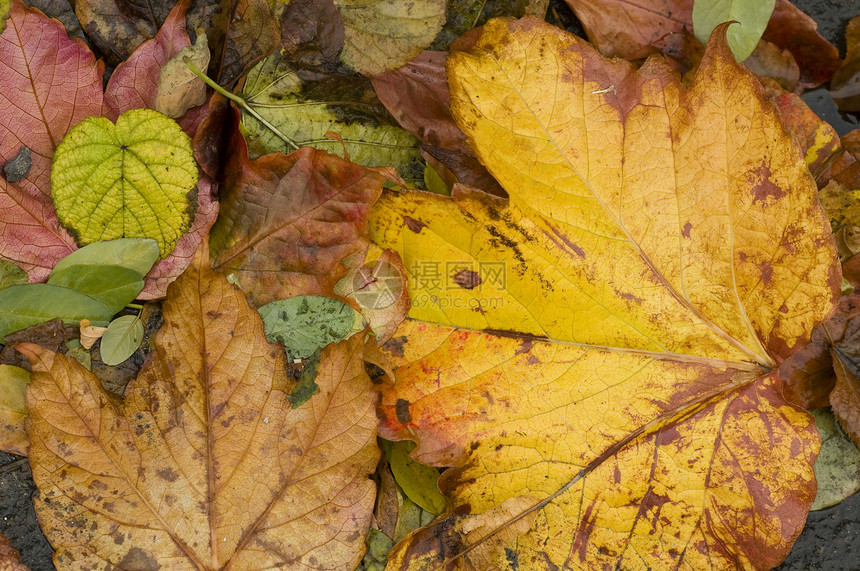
<point>238,100</point>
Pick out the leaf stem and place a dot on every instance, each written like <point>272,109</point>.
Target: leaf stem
<point>239,101</point>
<point>134,306</point>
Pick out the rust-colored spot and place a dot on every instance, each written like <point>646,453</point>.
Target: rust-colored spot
<point>766,270</point>
<point>686,230</point>
<point>401,409</point>
<point>563,242</point>
<point>414,225</point>
<point>467,279</point>
<point>395,346</point>
<point>763,188</point>
<point>167,474</point>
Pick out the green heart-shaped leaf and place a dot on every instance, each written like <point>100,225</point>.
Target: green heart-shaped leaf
<point>132,179</point>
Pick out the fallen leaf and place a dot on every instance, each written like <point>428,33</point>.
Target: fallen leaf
<point>121,339</point>
<point>767,60</point>
<point>752,18</point>
<point>382,34</point>
<point>793,30</point>
<point>178,88</point>
<point>9,558</point>
<point>845,397</point>
<point>24,305</point>
<point>305,324</point>
<point>43,69</point>
<point>252,34</point>
<point>13,387</point>
<point>288,221</point>
<point>118,27</point>
<point>417,96</point>
<point>132,179</point>
<point>600,353</point>
<point>5,11</point>
<point>63,11</point>
<point>837,470</point>
<point>304,106</point>
<point>417,481</point>
<point>204,464</point>
<point>845,85</point>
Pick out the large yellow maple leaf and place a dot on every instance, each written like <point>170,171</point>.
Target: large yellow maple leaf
<point>595,358</point>
<point>204,465</point>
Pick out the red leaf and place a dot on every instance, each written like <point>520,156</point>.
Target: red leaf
<point>50,84</point>
<point>288,221</point>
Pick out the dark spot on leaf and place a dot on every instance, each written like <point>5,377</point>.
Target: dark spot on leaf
<point>513,558</point>
<point>138,560</point>
<point>395,345</point>
<point>763,187</point>
<point>18,166</point>
<point>414,225</point>
<point>401,409</point>
<point>375,372</point>
<point>467,279</point>
<point>686,230</point>
<point>766,270</point>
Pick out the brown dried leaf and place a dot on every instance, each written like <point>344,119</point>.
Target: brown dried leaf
<point>204,465</point>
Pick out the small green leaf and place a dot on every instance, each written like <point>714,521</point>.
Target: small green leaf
<point>416,480</point>
<point>122,338</point>
<point>138,254</point>
<point>376,556</point>
<point>114,286</point>
<point>752,15</point>
<point>25,305</point>
<point>132,179</point>
<point>306,324</point>
<point>10,274</point>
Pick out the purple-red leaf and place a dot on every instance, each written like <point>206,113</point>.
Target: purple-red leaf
<point>50,83</point>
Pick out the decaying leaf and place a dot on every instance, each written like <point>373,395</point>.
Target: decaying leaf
<point>305,324</point>
<point>288,221</point>
<point>595,360</point>
<point>845,86</point>
<point>204,465</point>
<point>384,34</point>
<point>837,469</point>
<point>42,69</point>
<point>13,387</point>
<point>121,339</point>
<point>132,179</point>
<point>178,88</point>
<point>306,105</point>
<point>9,558</point>
<point>18,167</point>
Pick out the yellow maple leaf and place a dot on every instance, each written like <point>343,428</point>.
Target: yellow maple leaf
<point>204,465</point>
<point>603,346</point>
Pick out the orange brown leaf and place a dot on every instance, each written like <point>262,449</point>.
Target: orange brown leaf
<point>204,465</point>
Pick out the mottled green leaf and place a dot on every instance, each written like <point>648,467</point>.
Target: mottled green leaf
<point>5,10</point>
<point>306,324</point>
<point>837,469</point>
<point>303,111</point>
<point>752,17</point>
<point>122,338</point>
<point>132,179</point>
<point>25,305</point>
<point>10,274</point>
